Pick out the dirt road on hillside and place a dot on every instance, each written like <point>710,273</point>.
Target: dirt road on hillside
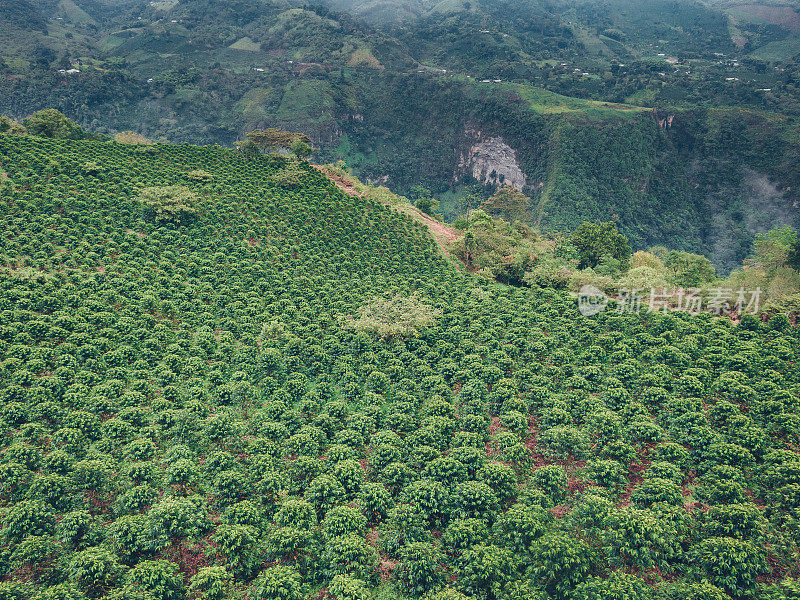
<point>443,235</point>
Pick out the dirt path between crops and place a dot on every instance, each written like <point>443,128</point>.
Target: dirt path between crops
<point>441,233</point>
<point>340,181</point>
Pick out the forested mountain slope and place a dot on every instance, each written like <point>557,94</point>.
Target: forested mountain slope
<point>223,378</point>
<point>454,95</point>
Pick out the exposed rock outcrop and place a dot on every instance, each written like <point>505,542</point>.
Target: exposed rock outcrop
<point>492,161</point>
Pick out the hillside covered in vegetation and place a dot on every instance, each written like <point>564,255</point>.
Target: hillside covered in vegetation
<point>222,377</point>
<point>676,119</point>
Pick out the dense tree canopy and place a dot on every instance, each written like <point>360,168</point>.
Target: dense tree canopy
<point>595,241</point>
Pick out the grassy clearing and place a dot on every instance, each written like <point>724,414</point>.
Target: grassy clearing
<point>546,102</point>
<point>246,44</point>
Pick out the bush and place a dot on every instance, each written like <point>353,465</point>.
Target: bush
<point>552,480</point>
<point>210,583</point>
<point>179,517</point>
<point>244,513</point>
<point>695,591</point>
<point>618,585</point>
<point>430,497</point>
<point>462,534</point>
<point>343,520</point>
<point>94,570</point>
<point>348,588</point>
<point>350,475</point>
<point>444,594</point>
<point>655,490</point>
<point>296,513</point>
<point>78,529</point>
<point>474,499</point>
<point>349,555</point>
<point>158,578</point>
<point>501,478</point>
<point>740,521</point>
<point>297,547</point>
<point>609,474</point>
<point>325,492</point>
<point>375,501</point>
<point>239,545</point>
<point>38,558</point>
<point>446,470</point>
<point>62,591</point>
<point>564,441</point>
<point>520,526</point>
<point>664,470</point>
<point>561,562</point>
<point>732,565</point>
<point>404,527</point>
<point>130,537</point>
<point>278,583</point>
<point>641,540</point>
<point>484,570</point>
<point>420,568</point>
<point>29,517</point>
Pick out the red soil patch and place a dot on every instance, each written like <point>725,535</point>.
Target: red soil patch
<point>435,227</point>
<point>645,450</point>
<point>539,459</point>
<point>372,537</point>
<point>489,449</point>
<point>639,468</point>
<point>97,504</point>
<point>777,573</point>
<point>386,568</point>
<point>572,466</point>
<point>654,575</point>
<point>190,559</point>
<point>342,183</point>
<point>634,479</point>
<point>577,486</point>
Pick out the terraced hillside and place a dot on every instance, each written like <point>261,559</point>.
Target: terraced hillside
<point>221,377</point>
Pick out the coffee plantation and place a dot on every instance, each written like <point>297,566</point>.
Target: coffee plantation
<point>222,377</point>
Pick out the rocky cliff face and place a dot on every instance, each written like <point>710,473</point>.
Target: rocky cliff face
<point>492,161</point>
